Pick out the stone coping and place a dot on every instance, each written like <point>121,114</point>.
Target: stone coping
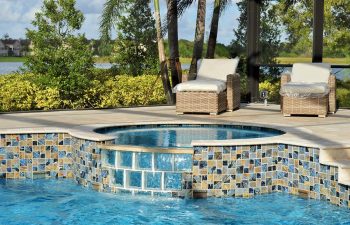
<point>291,136</point>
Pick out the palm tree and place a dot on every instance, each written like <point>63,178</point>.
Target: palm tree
<point>219,6</point>
<point>175,66</point>
<point>162,58</point>
<point>111,10</point>
<point>199,37</point>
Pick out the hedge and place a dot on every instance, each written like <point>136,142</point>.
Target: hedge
<point>20,92</point>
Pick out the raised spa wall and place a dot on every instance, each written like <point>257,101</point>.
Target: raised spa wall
<point>238,171</point>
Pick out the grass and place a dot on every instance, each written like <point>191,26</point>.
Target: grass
<point>11,59</point>
<point>291,60</point>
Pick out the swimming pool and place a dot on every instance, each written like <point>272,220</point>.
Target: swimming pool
<point>64,202</point>
<point>181,135</point>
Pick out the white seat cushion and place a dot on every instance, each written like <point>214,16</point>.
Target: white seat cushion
<point>310,72</point>
<point>201,85</point>
<point>216,68</point>
<point>304,90</point>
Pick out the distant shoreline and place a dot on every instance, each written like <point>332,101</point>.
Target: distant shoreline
<point>282,60</point>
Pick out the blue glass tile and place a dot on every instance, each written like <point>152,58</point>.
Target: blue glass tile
<point>164,161</point>
<point>49,136</point>
<point>2,150</point>
<point>144,160</point>
<point>172,181</point>
<point>14,142</point>
<point>41,142</point>
<point>126,159</point>
<point>135,179</point>
<point>23,162</point>
<point>111,158</point>
<point>22,137</point>
<point>119,177</point>
<point>153,180</point>
<point>183,162</point>
<point>66,141</point>
<point>62,154</point>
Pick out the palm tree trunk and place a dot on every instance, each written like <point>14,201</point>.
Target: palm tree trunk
<point>175,66</point>
<point>199,38</point>
<point>213,30</point>
<point>162,59</point>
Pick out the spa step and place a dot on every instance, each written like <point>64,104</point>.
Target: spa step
<point>329,155</point>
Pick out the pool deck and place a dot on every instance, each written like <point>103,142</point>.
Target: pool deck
<point>330,132</point>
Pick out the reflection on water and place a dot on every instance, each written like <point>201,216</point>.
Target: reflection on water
<point>180,136</point>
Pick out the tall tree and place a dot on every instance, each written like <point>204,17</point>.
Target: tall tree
<point>135,49</point>
<point>162,58</point>
<point>199,37</point>
<point>219,6</point>
<point>60,58</point>
<point>173,41</point>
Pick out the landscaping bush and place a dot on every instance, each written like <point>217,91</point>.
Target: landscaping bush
<point>343,97</point>
<point>19,92</point>
<point>273,90</point>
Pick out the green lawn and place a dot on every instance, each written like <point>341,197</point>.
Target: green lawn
<point>291,60</point>
<point>11,59</point>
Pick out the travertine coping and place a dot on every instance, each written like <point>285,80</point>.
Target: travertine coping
<point>87,132</point>
<point>131,148</point>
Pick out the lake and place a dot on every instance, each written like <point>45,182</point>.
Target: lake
<point>10,67</point>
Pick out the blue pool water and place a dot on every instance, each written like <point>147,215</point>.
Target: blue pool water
<point>63,202</point>
<point>182,135</point>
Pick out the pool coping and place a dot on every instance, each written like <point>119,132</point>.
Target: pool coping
<point>291,135</point>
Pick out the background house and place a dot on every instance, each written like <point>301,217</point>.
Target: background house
<point>14,47</point>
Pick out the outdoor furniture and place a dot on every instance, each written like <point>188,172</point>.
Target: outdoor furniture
<point>308,90</point>
<point>216,88</point>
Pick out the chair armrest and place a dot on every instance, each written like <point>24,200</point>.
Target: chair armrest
<point>233,89</point>
<point>332,84</point>
<point>285,78</point>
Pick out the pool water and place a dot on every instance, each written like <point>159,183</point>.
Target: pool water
<point>182,135</point>
<point>64,202</point>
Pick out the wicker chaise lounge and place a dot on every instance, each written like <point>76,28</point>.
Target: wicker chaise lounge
<point>308,90</point>
<point>216,88</point>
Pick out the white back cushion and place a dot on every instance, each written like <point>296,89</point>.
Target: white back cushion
<point>216,68</point>
<point>310,72</point>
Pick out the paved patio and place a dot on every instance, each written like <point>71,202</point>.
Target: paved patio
<point>333,131</point>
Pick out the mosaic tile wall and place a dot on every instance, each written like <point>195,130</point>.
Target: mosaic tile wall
<point>242,171</point>
<point>239,171</point>
<point>35,156</point>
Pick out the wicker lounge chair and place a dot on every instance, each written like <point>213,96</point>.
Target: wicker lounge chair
<point>216,88</point>
<point>308,90</point>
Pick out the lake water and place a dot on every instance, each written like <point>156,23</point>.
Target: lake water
<point>10,67</point>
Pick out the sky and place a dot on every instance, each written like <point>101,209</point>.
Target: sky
<point>16,16</point>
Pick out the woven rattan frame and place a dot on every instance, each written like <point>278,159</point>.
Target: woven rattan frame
<point>309,106</point>
<point>210,102</point>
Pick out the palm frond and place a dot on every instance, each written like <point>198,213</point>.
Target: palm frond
<point>111,10</point>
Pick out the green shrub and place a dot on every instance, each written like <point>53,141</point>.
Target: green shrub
<point>273,90</point>
<point>126,90</point>
<point>20,92</point>
<point>17,93</point>
<point>343,97</point>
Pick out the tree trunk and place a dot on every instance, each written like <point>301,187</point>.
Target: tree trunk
<point>213,30</point>
<point>175,66</point>
<point>199,38</point>
<point>162,59</point>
